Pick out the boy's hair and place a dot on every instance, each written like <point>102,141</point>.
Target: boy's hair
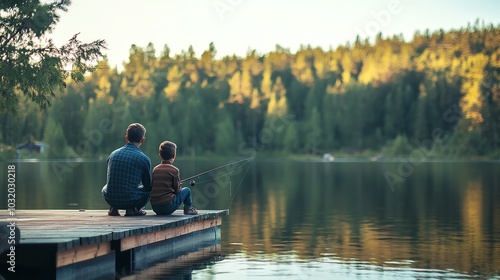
<point>135,132</point>
<point>167,150</point>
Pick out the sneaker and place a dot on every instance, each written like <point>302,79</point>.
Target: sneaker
<point>113,212</point>
<point>190,211</point>
<point>135,212</point>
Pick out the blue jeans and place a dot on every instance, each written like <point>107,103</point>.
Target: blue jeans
<point>140,203</point>
<point>183,197</point>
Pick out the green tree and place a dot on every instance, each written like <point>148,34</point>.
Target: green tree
<point>398,147</point>
<point>31,65</point>
<point>313,132</point>
<point>54,137</point>
<point>71,112</point>
<point>101,142</point>
<point>421,122</point>
<point>28,125</point>
<point>291,141</point>
<point>225,136</point>
<point>159,124</point>
<point>329,121</point>
<point>193,124</point>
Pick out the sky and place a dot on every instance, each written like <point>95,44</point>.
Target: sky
<point>236,26</point>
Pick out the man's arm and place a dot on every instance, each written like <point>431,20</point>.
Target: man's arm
<point>146,176</point>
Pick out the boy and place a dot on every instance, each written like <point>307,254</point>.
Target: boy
<point>166,193</point>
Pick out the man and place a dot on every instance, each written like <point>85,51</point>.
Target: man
<point>128,181</point>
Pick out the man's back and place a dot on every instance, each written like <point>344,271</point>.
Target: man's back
<point>128,169</point>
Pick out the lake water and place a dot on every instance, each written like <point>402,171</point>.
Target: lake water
<point>313,220</point>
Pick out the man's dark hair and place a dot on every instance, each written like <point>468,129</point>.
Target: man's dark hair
<point>135,132</point>
<point>167,150</point>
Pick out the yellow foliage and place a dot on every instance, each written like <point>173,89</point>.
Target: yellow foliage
<point>190,67</point>
<point>235,88</point>
<point>171,90</point>
<point>174,78</point>
<point>252,65</point>
<point>232,66</point>
<point>435,60</point>
<point>194,77</point>
<point>347,65</point>
<point>103,87</point>
<point>337,88</point>
<point>381,66</point>
<point>241,87</point>
<point>277,105</point>
<point>206,61</point>
<point>320,62</point>
<point>271,106</point>
<point>246,84</point>
<point>471,102</point>
<point>265,85</point>
<point>143,88</point>
<point>333,59</point>
<point>101,77</point>
<point>370,71</point>
<point>301,69</point>
<point>255,102</point>
<point>175,74</point>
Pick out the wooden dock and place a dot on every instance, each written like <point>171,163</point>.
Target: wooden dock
<point>88,244</point>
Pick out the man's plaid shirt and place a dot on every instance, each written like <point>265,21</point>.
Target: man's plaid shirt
<point>129,175</point>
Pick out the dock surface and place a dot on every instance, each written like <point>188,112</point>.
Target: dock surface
<point>65,244</point>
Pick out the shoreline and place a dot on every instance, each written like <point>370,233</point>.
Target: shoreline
<point>291,158</point>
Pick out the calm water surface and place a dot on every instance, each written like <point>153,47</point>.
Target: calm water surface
<point>313,220</point>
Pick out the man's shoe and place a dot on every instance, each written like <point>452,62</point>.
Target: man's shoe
<point>113,212</point>
<point>190,211</point>
<point>135,212</point>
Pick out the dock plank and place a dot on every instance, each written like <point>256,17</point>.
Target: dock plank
<point>71,228</point>
<point>82,253</point>
<point>152,237</point>
<point>60,243</point>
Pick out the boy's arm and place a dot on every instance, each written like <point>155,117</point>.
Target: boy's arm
<point>177,183</point>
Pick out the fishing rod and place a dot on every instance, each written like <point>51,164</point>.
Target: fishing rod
<point>192,183</point>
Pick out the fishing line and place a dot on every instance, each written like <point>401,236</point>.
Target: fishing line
<point>242,161</point>
<point>213,179</point>
<point>217,168</point>
<point>237,188</point>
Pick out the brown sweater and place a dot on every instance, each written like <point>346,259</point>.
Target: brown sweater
<point>166,183</point>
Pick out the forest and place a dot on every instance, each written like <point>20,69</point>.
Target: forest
<point>438,92</point>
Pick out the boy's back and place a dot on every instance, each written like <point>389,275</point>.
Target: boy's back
<point>167,194</point>
<point>166,183</point>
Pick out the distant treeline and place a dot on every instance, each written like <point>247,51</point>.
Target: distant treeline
<point>440,92</point>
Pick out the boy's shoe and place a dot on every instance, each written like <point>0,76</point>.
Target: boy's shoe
<point>113,212</point>
<point>190,211</point>
<point>135,212</point>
